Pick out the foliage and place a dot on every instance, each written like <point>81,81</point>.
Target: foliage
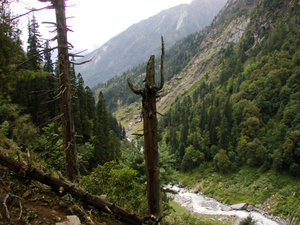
<point>11,53</point>
<point>18,126</point>
<point>106,144</point>
<point>222,162</point>
<point>50,147</point>
<point>133,157</point>
<point>34,45</point>
<point>247,221</point>
<point>119,185</point>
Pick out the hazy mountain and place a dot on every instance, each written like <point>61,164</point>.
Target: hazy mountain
<point>134,45</point>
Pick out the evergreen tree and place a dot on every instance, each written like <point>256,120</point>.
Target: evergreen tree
<point>83,123</point>
<point>34,45</point>
<point>48,64</point>
<point>101,143</point>
<point>52,81</point>
<point>11,52</point>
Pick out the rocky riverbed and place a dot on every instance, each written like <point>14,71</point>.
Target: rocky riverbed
<point>199,203</point>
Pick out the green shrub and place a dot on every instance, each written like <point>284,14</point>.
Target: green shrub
<point>222,162</point>
<point>118,184</point>
<point>247,221</point>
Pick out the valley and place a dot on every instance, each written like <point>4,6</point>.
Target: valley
<point>228,119</point>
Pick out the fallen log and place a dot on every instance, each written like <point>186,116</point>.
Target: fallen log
<point>57,184</point>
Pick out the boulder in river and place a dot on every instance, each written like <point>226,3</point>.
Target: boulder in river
<point>226,208</point>
<point>240,206</point>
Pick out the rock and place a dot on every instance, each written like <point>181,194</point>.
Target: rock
<point>221,219</point>
<point>226,208</point>
<point>104,196</point>
<point>71,220</point>
<point>180,185</point>
<point>240,206</point>
<point>250,208</point>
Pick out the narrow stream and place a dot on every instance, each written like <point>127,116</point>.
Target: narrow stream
<point>199,203</point>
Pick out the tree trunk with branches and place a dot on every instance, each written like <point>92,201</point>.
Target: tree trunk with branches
<point>68,130</point>
<point>149,94</point>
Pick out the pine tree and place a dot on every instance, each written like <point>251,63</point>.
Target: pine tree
<point>34,45</point>
<point>48,65</point>
<point>101,143</point>
<point>10,48</point>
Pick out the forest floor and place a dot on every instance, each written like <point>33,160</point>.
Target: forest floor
<point>30,202</point>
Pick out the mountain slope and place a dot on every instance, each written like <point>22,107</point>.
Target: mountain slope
<point>227,29</point>
<point>134,45</point>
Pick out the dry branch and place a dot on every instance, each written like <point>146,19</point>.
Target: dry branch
<point>81,63</point>
<point>92,200</point>
<point>33,10</point>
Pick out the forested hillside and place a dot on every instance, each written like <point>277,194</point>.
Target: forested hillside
<point>249,112</point>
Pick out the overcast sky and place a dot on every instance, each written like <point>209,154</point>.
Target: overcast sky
<point>95,21</point>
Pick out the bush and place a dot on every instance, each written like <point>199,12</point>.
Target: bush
<point>247,221</point>
<point>222,162</point>
<point>119,185</point>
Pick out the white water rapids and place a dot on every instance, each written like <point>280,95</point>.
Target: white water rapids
<point>199,203</point>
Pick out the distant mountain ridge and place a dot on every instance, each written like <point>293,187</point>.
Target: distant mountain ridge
<point>134,45</point>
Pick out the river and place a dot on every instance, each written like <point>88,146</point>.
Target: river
<point>199,203</point>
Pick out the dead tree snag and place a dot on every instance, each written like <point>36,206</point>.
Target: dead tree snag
<point>149,94</point>
<point>68,130</point>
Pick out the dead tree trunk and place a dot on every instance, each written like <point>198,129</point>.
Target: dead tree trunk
<point>149,94</point>
<point>99,203</point>
<point>68,130</point>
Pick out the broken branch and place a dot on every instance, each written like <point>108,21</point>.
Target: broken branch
<point>33,10</point>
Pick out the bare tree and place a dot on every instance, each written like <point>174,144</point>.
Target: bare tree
<point>68,129</point>
<point>149,94</point>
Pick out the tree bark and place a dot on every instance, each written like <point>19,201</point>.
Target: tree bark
<point>59,184</point>
<point>149,95</point>
<point>68,130</point>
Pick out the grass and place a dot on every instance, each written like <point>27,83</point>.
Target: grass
<point>276,193</point>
